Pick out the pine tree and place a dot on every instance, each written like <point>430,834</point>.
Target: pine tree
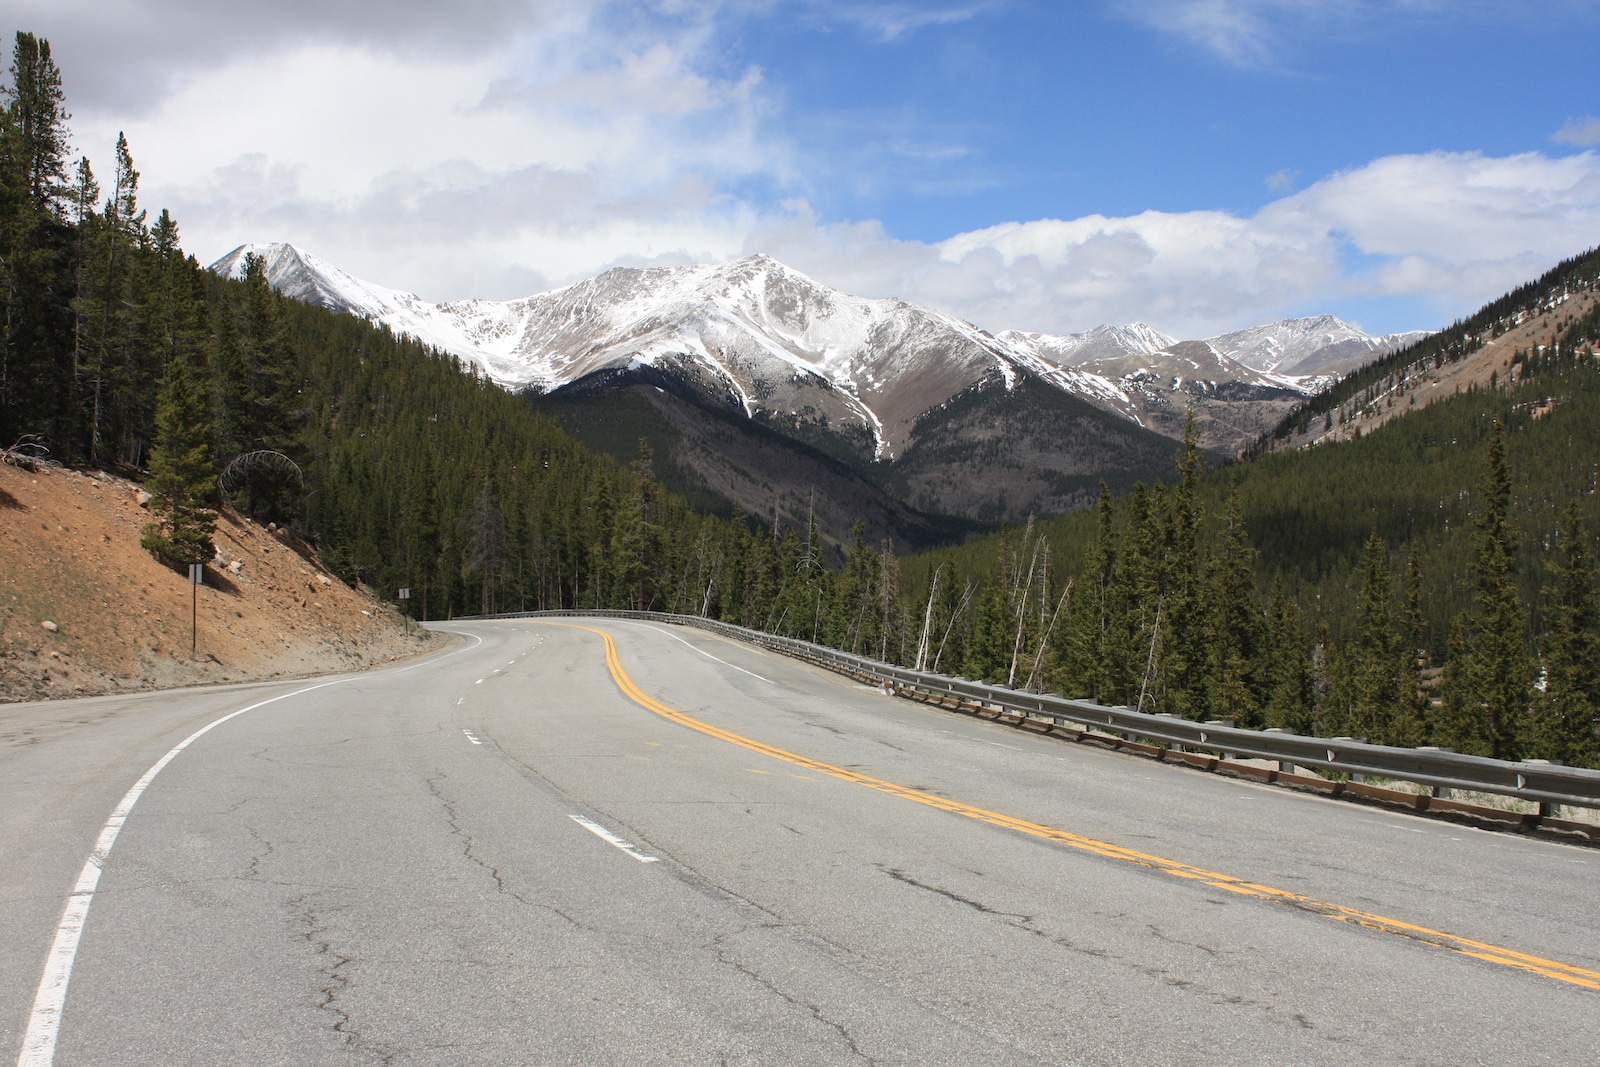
<point>1234,629</point>
<point>1377,656</point>
<point>183,478</point>
<point>37,394</point>
<point>258,380</point>
<point>1186,646</point>
<point>1567,720</point>
<point>1412,724</point>
<point>1290,699</point>
<point>106,315</point>
<point>487,547</point>
<point>1095,634</point>
<point>1490,675</point>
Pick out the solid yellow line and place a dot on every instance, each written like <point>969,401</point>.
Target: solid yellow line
<point>1477,949</point>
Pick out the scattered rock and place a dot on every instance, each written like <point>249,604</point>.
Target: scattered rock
<point>129,618</point>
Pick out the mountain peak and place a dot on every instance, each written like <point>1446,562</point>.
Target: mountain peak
<point>756,336</point>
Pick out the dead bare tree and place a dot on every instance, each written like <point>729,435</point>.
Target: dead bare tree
<point>1024,587</point>
<point>1150,663</point>
<point>927,620</point>
<point>1044,638</point>
<point>961,608</point>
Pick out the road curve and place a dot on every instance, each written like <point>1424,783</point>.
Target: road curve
<point>551,847</point>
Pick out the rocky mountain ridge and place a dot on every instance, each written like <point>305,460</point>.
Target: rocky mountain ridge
<point>754,336</point>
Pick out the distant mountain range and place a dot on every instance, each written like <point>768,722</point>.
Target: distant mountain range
<point>942,416</point>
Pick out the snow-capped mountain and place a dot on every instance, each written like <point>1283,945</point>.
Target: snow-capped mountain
<point>755,336</point>
<point>1321,344</point>
<point>769,339</point>
<point>1102,342</point>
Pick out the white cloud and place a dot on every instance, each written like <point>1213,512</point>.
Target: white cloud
<point>539,160</point>
<point>1250,33</point>
<point>1581,132</point>
<point>496,165</point>
<point>1455,229</point>
<point>1281,181</point>
<point>126,56</point>
<point>891,21</point>
<point>1244,32</point>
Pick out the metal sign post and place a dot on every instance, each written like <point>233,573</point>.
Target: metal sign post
<point>197,578</point>
<point>405,594</point>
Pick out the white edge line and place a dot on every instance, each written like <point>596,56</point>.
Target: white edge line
<point>470,736</point>
<point>612,839</point>
<point>44,1021</point>
<point>39,1044</point>
<point>708,655</point>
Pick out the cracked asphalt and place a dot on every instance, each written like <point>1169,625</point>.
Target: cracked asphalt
<point>349,877</point>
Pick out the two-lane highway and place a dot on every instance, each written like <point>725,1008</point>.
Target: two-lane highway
<point>596,842</point>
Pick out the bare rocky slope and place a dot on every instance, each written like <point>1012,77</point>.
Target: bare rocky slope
<point>119,620</point>
<point>1420,382</point>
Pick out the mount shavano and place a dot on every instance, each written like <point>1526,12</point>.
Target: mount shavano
<point>894,389</point>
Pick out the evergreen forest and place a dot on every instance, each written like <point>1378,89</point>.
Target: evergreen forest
<point>1430,583</point>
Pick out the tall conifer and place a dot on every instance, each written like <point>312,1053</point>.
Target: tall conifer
<point>1412,725</point>
<point>1234,628</point>
<point>1567,722</point>
<point>1377,653</point>
<point>183,479</point>
<point>37,394</point>
<point>1490,674</point>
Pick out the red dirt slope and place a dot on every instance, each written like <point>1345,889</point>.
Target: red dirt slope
<point>70,555</point>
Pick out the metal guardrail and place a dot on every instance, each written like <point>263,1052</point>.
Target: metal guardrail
<point>1541,782</point>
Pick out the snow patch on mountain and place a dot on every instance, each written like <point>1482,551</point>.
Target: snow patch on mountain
<point>1305,346</point>
<point>773,342</point>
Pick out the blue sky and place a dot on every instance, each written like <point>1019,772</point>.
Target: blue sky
<point>1031,109</point>
<point>1195,164</point>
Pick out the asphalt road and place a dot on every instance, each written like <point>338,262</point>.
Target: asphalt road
<point>497,856</point>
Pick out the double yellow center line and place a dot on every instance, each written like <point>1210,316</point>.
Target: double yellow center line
<point>1466,946</point>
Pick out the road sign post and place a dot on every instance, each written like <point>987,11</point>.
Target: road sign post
<point>405,594</point>
<point>197,578</point>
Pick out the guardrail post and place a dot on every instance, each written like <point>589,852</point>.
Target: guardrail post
<point>1438,792</point>
<point>1354,777</point>
<point>1284,766</point>
<point>1226,723</point>
<point>1545,809</point>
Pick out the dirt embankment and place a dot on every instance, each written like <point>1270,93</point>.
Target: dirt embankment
<point>85,610</point>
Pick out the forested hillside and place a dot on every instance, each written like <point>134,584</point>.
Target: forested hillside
<point>1425,583</point>
<point>119,352</point>
<point>1541,309</point>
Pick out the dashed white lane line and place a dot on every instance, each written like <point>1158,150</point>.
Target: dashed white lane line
<point>612,839</point>
<point>470,736</point>
<point>478,682</point>
<point>708,655</point>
